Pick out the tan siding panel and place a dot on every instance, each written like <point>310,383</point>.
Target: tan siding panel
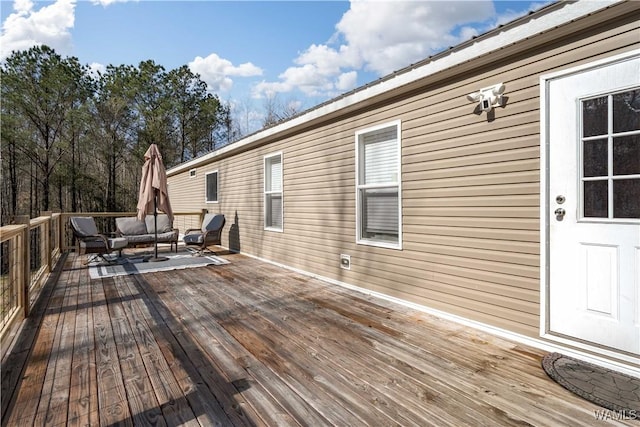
<point>418,154</point>
<point>507,170</point>
<point>430,266</point>
<point>531,236</point>
<point>469,255</point>
<point>462,160</point>
<point>475,212</point>
<point>509,223</point>
<point>531,188</point>
<point>477,243</point>
<point>457,292</point>
<point>480,201</point>
<point>418,181</point>
<point>472,141</point>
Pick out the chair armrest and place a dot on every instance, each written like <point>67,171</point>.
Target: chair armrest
<point>191,230</point>
<point>101,237</point>
<point>214,233</point>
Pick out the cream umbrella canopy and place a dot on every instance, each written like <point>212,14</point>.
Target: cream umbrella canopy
<point>153,192</point>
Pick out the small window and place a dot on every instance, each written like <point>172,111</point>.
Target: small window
<point>211,187</point>
<point>192,173</point>
<point>273,208</point>
<point>379,212</point>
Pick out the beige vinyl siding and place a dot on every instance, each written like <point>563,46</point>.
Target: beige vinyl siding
<point>470,186</point>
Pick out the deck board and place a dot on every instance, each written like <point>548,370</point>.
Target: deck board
<point>252,344</point>
<point>82,381</point>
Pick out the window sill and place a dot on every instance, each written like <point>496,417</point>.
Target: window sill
<point>276,230</point>
<point>386,245</point>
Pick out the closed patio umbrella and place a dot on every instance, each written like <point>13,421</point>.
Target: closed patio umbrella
<point>153,192</point>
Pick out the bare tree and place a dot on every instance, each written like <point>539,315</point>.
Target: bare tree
<point>277,111</point>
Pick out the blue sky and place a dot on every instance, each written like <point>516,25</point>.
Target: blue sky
<point>297,52</point>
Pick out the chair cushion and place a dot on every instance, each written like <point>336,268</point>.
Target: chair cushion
<point>164,224</point>
<point>193,239</point>
<point>212,222</point>
<point>92,244</point>
<point>169,236</point>
<point>84,225</point>
<point>131,226</point>
<point>118,243</point>
<point>139,238</point>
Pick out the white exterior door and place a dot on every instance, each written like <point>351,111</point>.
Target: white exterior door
<point>594,205</point>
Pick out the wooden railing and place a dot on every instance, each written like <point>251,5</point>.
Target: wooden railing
<point>28,252</point>
<point>30,249</point>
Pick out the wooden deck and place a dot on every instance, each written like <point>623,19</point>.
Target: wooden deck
<point>251,344</point>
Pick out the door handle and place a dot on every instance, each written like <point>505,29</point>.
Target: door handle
<point>560,213</point>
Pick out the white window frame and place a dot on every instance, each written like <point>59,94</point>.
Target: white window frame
<point>206,196</point>
<point>192,173</point>
<point>398,183</point>
<point>270,192</point>
<point>611,178</point>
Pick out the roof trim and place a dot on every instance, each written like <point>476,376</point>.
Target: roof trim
<point>523,28</point>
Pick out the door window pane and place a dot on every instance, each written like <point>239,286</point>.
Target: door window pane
<point>596,200</point>
<point>626,111</point>
<point>594,116</point>
<point>626,155</point>
<point>626,198</point>
<point>595,158</point>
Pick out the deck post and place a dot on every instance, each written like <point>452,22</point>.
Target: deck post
<point>60,232</point>
<point>26,266</point>
<point>47,237</point>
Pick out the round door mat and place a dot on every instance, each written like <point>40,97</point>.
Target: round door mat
<point>610,389</point>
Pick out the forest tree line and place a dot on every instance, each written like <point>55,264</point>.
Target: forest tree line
<point>73,140</point>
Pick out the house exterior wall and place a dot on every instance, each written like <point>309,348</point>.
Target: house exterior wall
<point>470,185</point>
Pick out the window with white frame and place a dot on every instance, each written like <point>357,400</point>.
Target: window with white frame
<point>379,207</point>
<point>273,192</point>
<point>211,187</point>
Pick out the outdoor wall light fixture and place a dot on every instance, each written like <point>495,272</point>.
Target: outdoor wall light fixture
<point>488,97</point>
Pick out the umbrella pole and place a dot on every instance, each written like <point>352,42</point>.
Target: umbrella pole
<point>155,227</point>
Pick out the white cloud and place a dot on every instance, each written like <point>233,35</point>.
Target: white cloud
<point>391,35</point>
<point>106,3</point>
<point>96,68</point>
<point>217,72</point>
<point>49,25</point>
<point>347,81</point>
<point>380,37</point>
<point>269,89</point>
<point>22,6</point>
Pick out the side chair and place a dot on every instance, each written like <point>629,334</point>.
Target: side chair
<point>90,241</point>
<point>209,233</point>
